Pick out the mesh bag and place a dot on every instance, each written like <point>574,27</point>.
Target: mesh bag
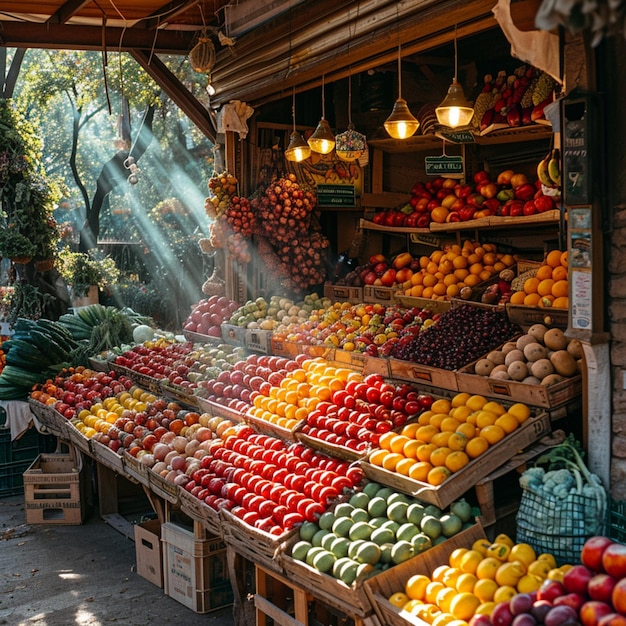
<point>559,526</point>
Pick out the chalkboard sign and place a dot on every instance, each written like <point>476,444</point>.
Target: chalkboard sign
<point>457,136</point>
<point>576,150</point>
<point>443,165</point>
<point>336,196</point>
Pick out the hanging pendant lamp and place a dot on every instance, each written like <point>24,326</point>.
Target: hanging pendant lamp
<point>401,124</point>
<point>298,150</point>
<point>322,140</point>
<point>350,145</point>
<point>455,110</point>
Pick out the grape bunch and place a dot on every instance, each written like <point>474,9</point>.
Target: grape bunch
<point>306,259</point>
<point>462,335</point>
<point>240,217</point>
<point>238,247</point>
<point>283,210</point>
<point>222,187</point>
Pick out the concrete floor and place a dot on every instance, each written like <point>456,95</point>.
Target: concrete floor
<point>58,575</point>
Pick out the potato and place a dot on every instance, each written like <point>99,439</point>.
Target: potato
<point>497,356</point>
<point>531,380</point>
<point>524,340</point>
<point>542,368</point>
<point>535,351</point>
<point>483,367</point>
<point>575,348</point>
<point>555,339</point>
<point>518,370</point>
<point>508,346</point>
<point>500,372</point>
<point>552,379</point>
<point>537,331</point>
<point>564,363</point>
<point>513,355</point>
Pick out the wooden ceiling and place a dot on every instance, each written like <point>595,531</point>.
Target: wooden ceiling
<point>293,49</point>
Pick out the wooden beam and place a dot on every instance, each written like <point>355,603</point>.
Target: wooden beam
<point>66,11</point>
<point>73,37</point>
<point>190,105</point>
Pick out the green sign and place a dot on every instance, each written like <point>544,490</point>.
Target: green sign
<point>444,166</point>
<point>457,136</point>
<point>336,195</point>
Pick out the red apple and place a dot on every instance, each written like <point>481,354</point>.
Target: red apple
<point>618,597</point>
<point>573,599</point>
<point>550,589</point>
<point>613,619</point>
<point>593,611</point>
<point>614,560</point>
<point>577,578</point>
<point>501,615</point>
<point>601,586</point>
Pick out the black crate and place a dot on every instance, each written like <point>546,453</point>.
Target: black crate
<point>16,457</point>
<point>616,520</point>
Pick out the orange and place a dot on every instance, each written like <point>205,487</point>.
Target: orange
<point>472,280</point>
<point>459,262</point>
<point>438,456</point>
<point>449,424</point>
<point>559,273</point>
<point>476,446</point>
<point>419,471</point>
<point>520,411</point>
<point>377,457</point>
<point>455,557</point>
<point>507,422</point>
<point>492,433</point>
<point>410,448</point>
<point>424,418</point>
<point>452,291</point>
<point>425,450</point>
<point>439,289</point>
<point>460,413</point>
<point>476,268</point>
<point>415,586</point>
<point>441,439</point>
<point>461,274</point>
<point>494,407</point>
<point>531,284</point>
<point>485,418</point>
<point>544,272</point>
<point>432,589</point>
<point>481,545</point>
<point>460,399</point>
<point>476,402</point>
<point>517,297</point>
<point>465,582</point>
<point>397,443</point>
<point>544,288</point>
<point>437,475</point>
<point>564,259</point>
<point>403,467</point>
<point>432,268</point>
<point>458,441</point>
<point>428,291</point>
<point>456,460</point>
<point>398,599</point>
<point>439,214</point>
<point>450,279</point>
<point>504,593</point>
<point>485,589</point>
<point>426,433</point>
<point>391,460</point>
<point>470,561</point>
<point>488,567</point>
<point>561,303</point>
<point>523,552</point>
<point>441,405</point>
<point>486,274</point>
<point>532,299</point>
<point>553,258</point>
<point>467,429</point>
<point>560,289</point>
<point>464,605</point>
<point>385,440</point>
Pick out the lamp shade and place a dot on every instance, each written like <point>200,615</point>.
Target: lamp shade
<point>454,110</point>
<point>298,149</point>
<point>322,140</point>
<point>401,123</point>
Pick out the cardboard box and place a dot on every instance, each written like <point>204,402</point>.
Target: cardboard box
<point>258,340</point>
<point>382,295</point>
<point>195,571</point>
<point>343,293</point>
<point>148,551</point>
<point>54,491</point>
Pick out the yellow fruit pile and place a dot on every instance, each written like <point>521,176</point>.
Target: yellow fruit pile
<point>474,580</point>
<point>445,272</point>
<point>549,287</point>
<point>447,437</point>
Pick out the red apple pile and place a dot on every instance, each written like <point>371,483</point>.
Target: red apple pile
<point>207,316</point>
<point>169,361</point>
<point>357,414</point>
<point>592,593</point>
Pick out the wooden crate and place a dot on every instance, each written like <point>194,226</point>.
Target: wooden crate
<point>285,348</point>
<point>179,394</point>
<point>147,382</point>
<point>380,587</point>
<point>424,374</point>
<point>136,470</point>
<point>258,340</point>
<point>148,551</point>
<point>55,423</point>
<point>106,456</point>
<point>436,306</point>
<point>195,571</point>
<point>274,430</point>
<point>361,362</point>
<point>253,544</point>
<point>526,316</point>
<point>343,293</point>
<point>54,492</point>
<point>460,482</point>
<point>547,397</point>
<point>331,449</point>
<point>380,295</point>
<point>215,408</point>
<point>161,487</point>
<point>233,335</point>
<point>199,511</point>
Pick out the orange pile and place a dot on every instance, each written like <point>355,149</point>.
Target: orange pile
<point>447,437</point>
<point>445,272</point>
<point>550,286</point>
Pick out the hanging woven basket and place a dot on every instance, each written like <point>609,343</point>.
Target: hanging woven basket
<point>202,55</point>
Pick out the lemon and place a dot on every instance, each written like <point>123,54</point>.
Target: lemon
<point>464,605</point>
<point>504,594</point>
<point>508,574</point>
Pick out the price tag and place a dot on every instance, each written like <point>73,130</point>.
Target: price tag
<point>336,196</point>
<point>450,166</point>
<point>457,136</point>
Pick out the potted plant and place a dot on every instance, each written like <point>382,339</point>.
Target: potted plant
<point>15,246</point>
<point>87,273</point>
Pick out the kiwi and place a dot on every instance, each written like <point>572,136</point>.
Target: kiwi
<point>513,355</point>
<point>555,339</point>
<point>483,367</point>
<point>534,351</point>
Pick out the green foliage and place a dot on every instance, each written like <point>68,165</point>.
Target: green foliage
<point>82,270</point>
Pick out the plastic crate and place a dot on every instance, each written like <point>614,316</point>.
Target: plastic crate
<point>17,456</point>
<point>615,525</point>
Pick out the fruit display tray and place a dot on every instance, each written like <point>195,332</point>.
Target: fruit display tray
<point>157,483</point>
<point>48,416</point>
<point>274,430</point>
<point>179,394</point>
<point>197,510</point>
<point>380,295</point>
<point>331,449</point>
<point>233,335</point>
<point>136,470</point>
<point>380,587</point>
<point>424,374</point>
<point>253,544</point>
<point>547,397</point>
<point>358,361</point>
<point>343,293</point>
<point>78,440</point>
<point>285,348</point>
<point>526,316</point>
<point>215,408</point>
<point>258,341</point>
<point>108,457</point>
<point>194,337</point>
<point>98,364</point>
<point>147,382</point>
<point>436,306</point>
<point>460,482</point>
<point>349,599</point>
